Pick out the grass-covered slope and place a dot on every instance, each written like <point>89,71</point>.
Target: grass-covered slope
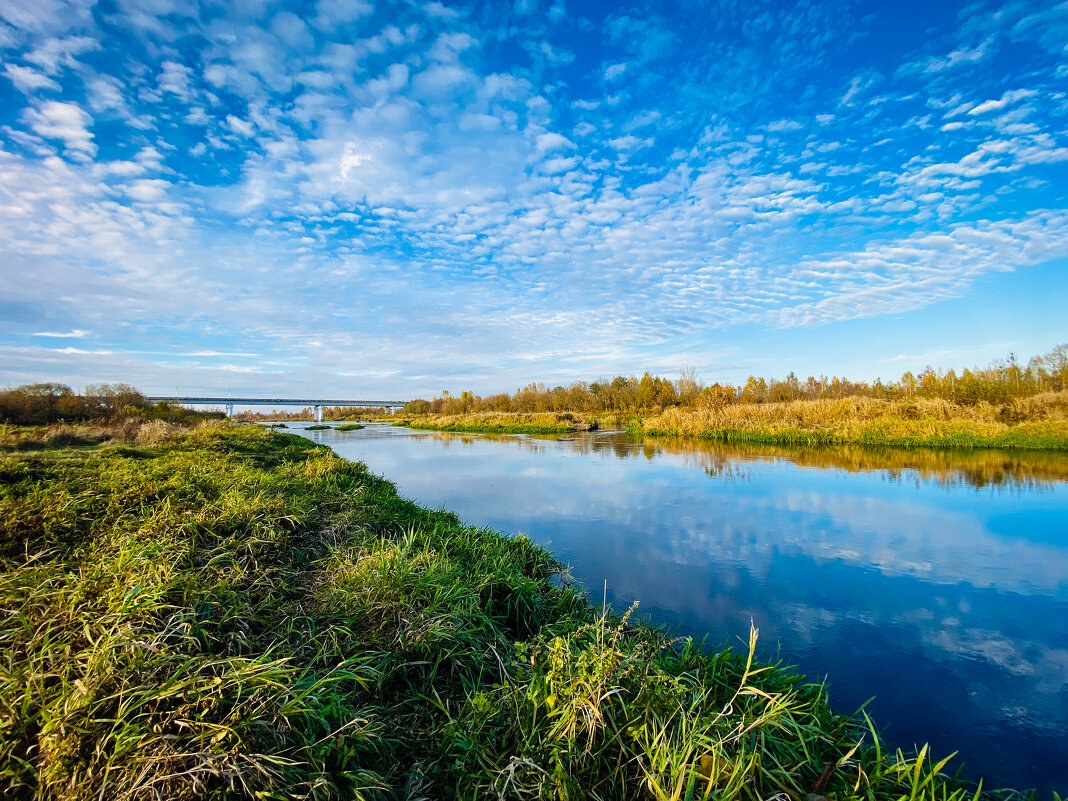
<point>237,613</point>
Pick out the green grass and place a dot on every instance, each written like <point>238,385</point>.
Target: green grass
<point>494,428</point>
<point>235,613</point>
<point>317,427</point>
<point>348,427</point>
<point>1024,437</point>
<point>501,423</point>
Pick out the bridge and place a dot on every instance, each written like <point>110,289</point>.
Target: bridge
<point>316,403</point>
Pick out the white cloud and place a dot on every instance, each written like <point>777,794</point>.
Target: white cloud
<point>240,126</point>
<point>859,85</point>
<point>77,333</point>
<point>28,80</point>
<point>989,158</point>
<point>126,169</point>
<point>104,93</point>
<point>54,54</point>
<point>46,16</point>
<point>1005,100</point>
<point>784,125</point>
<point>334,13</point>
<point>175,79</point>
<point>962,56</point>
<point>82,352</point>
<point>292,30</point>
<point>925,268</point>
<point>550,141</point>
<point>559,165</point>
<point>441,81</point>
<point>448,46</point>
<point>629,142</point>
<point>147,190</point>
<point>65,121</point>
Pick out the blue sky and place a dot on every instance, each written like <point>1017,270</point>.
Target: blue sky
<point>397,198</point>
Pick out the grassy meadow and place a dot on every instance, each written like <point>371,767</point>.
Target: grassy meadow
<point>235,613</point>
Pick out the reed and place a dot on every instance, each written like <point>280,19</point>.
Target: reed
<point>1036,423</point>
<point>58,435</point>
<point>234,613</point>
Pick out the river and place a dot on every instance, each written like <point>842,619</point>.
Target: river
<point>933,583</point>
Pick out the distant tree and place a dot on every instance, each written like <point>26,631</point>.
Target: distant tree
<point>755,390</point>
<point>418,406</point>
<point>718,395</point>
<point>1056,363</point>
<point>665,393</point>
<point>928,381</point>
<point>908,384</point>
<point>646,392</point>
<point>688,385</point>
<point>111,400</point>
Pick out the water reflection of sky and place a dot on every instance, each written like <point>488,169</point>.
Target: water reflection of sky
<point>938,586</point>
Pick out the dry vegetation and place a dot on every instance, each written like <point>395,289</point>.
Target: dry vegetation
<point>1037,422</point>
<point>62,435</point>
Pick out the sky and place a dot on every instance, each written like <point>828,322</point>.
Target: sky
<point>388,199</point>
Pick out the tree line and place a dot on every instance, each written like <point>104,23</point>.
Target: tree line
<point>334,413</point>
<point>42,404</point>
<point>1000,382</point>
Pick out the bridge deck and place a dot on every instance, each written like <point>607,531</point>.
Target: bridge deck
<point>274,401</point>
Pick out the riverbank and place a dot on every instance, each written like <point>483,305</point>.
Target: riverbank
<point>234,611</point>
<point>502,423</point>
<point>1036,423</point>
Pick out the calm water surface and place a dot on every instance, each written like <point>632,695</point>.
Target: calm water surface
<point>937,583</point>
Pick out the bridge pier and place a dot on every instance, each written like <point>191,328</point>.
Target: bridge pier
<point>229,402</point>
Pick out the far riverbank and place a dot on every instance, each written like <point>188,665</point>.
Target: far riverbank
<point>1036,423</point>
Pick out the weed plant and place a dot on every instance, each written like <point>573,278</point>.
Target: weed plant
<point>234,613</point>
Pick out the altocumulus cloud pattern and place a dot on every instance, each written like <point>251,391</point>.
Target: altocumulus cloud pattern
<point>404,193</point>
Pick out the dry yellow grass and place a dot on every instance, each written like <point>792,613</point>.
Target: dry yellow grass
<point>60,435</point>
<point>1037,422</point>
